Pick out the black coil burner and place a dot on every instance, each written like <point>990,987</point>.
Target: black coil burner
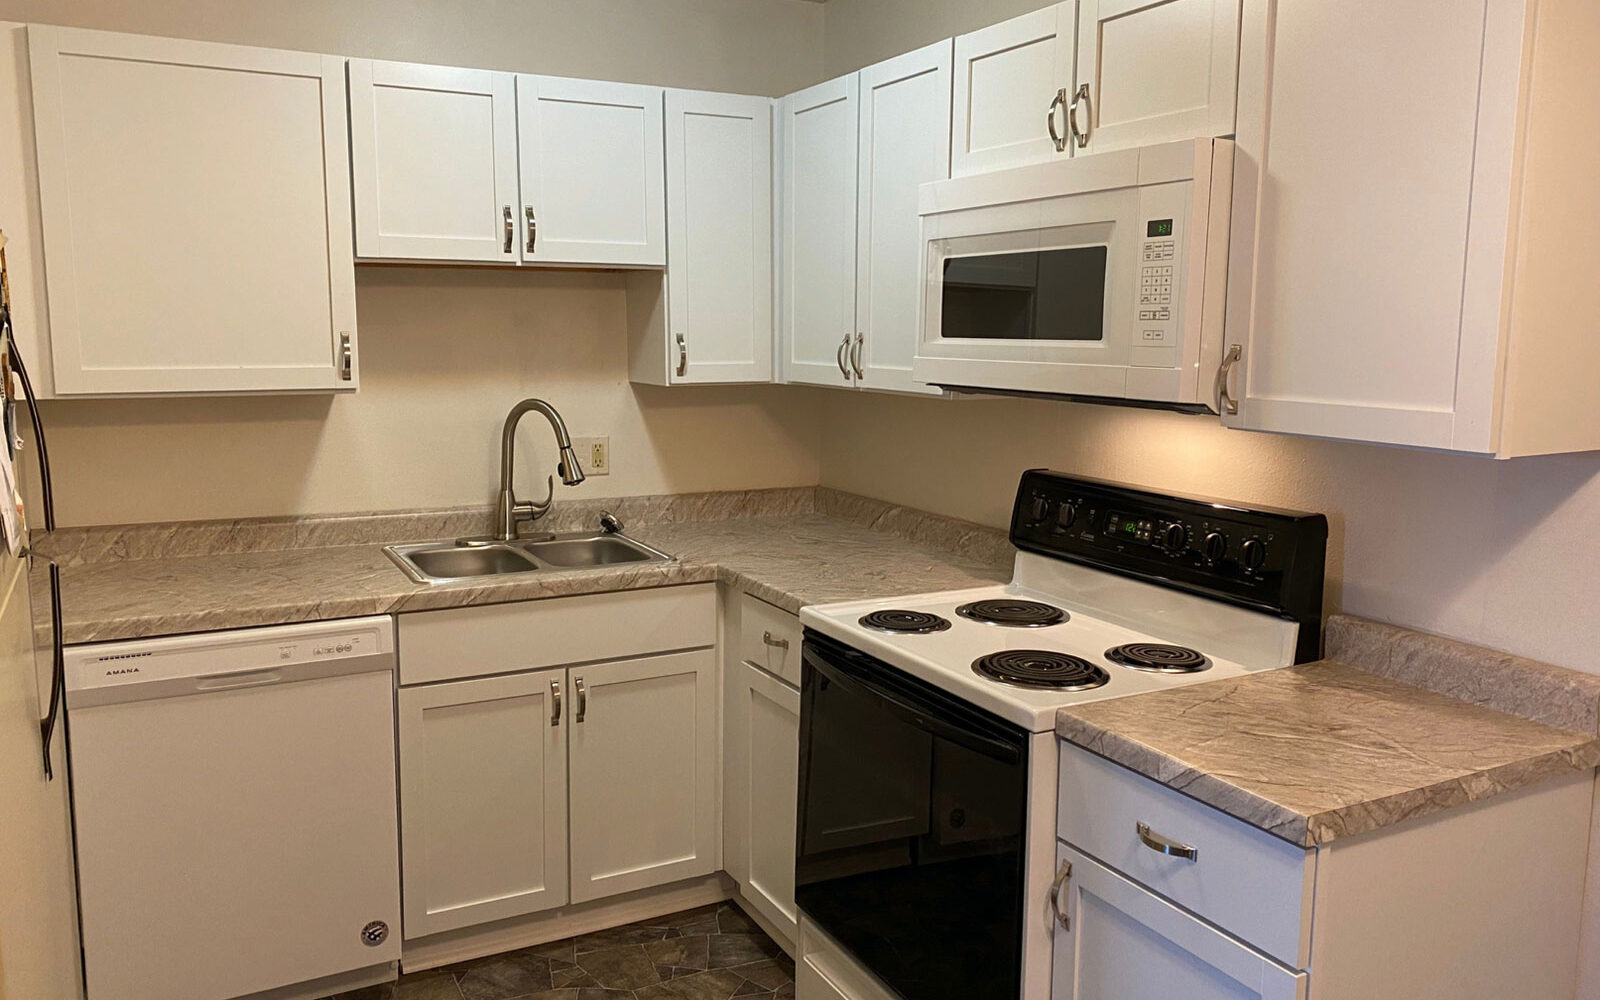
<point>1041,668</point>
<point>903,622</point>
<point>1013,612</point>
<point>1158,656</point>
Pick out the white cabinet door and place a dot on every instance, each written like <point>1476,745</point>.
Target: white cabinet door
<point>434,160</point>
<point>1007,77</point>
<point>904,143</point>
<point>196,210</point>
<point>818,149</point>
<point>643,770</point>
<point>483,800</point>
<point>1123,941</point>
<point>1365,277</point>
<point>1154,71</point>
<point>768,745</point>
<point>719,237</point>
<point>593,172</point>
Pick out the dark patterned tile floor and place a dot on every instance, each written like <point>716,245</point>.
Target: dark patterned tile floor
<point>710,953</point>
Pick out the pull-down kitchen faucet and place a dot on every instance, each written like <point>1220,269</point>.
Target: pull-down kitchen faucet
<point>510,511</point>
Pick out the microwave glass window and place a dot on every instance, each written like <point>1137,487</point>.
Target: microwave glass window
<point>1037,295</point>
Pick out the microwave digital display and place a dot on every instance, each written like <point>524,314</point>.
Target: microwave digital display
<point>1158,227</point>
<point>1038,295</point>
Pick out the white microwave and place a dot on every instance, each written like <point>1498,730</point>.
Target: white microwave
<point>1102,276</point>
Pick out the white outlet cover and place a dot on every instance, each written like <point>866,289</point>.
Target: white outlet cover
<point>594,454</point>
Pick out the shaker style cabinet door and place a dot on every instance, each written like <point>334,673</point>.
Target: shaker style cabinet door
<point>196,212</point>
<point>1012,84</point>
<point>768,746</point>
<point>483,799</point>
<point>643,772</point>
<point>1152,71</point>
<point>904,143</point>
<point>593,172</point>
<point>1120,940</point>
<point>719,237</point>
<point>434,160</point>
<point>818,178</point>
<point>1364,290</point>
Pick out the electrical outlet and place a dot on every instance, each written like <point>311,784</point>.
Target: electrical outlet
<point>594,454</point>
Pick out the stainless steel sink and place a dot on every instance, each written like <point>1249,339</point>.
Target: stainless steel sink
<point>449,562</point>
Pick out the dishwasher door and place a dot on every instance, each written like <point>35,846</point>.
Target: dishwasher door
<point>234,801</point>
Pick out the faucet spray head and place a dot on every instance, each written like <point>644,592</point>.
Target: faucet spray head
<point>571,471</point>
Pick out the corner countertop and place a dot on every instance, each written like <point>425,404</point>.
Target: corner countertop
<point>1320,751</point>
<point>789,561</point>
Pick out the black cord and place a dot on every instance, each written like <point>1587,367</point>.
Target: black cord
<point>58,664</point>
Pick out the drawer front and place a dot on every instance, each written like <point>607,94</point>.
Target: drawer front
<point>502,638</point>
<point>769,637</point>
<point>1251,884</point>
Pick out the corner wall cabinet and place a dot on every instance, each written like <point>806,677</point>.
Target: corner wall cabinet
<point>709,320</point>
<point>526,784</point>
<point>1425,286</point>
<point>195,206</point>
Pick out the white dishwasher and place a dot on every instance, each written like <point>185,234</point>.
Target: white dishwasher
<point>234,802</point>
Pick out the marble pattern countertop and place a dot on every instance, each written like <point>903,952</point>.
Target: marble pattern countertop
<point>1323,750</point>
<point>788,560</point>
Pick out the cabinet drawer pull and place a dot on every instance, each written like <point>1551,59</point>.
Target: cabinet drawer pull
<point>346,358</point>
<point>1050,120</point>
<point>1063,877</point>
<point>683,356</point>
<point>855,356</point>
<point>555,703</point>
<point>838,356</point>
<point>511,229</point>
<point>1161,845</point>
<point>1081,135</point>
<point>583,699</point>
<point>533,226</point>
<point>767,638</point>
<point>1226,404</point>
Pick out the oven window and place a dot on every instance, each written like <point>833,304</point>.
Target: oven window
<point>911,818</point>
<point>1037,295</point>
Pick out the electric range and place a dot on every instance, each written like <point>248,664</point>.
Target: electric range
<point>927,810</point>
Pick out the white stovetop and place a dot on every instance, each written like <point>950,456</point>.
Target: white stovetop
<point>1236,642</point>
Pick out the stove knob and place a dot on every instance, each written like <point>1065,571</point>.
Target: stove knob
<point>1215,546</point>
<point>1039,510</point>
<point>1175,538</point>
<point>1066,514</point>
<point>1253,554</point>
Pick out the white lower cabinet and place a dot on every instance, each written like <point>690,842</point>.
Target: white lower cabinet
<point>644,771</point>
<point>1118,939</point>
<point>483,794</point>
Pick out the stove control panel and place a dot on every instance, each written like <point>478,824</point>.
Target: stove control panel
<point>1259,557</point>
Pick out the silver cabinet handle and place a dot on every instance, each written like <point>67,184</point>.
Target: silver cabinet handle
<point>838,356</point>
<point>767,638</point>
<point>855,356</point>
<point>347,358</point>
<point>555,703</point>
<point>1161,845</point>
<point>1063,877</point>
<point>1081,135</point>
<point>683,357</point>
<point>1050,120</point>
<point>1225,401</point>
<point>583,699</point>
<point>511,229</point>
<point>533,226</point>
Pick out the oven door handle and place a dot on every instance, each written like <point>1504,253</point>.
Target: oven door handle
<point>919,716</point>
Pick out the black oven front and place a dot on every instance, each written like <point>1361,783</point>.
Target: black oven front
<point>912,810</point>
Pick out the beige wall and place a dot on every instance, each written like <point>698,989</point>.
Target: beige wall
<point>858,33</point>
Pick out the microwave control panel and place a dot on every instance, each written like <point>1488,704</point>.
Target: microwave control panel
<point>1156,335</point>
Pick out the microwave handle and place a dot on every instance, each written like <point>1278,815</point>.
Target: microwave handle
<point>1226,404</point>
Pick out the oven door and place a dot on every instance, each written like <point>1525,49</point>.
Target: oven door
<point>912,805</point>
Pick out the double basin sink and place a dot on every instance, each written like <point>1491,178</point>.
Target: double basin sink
<point>448,562</point>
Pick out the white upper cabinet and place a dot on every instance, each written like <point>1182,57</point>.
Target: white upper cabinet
<point>593,189</point>
<point>1421,286</point>
<point>195,204</point>
<point>904,143</point>
<point>818,180</point>
<point>434,156</point>
<point>1007,80</point>
<point>719,239</point>
<point>1152,71</point>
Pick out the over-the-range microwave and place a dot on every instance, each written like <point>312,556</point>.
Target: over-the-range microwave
<point>1102,276</point>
